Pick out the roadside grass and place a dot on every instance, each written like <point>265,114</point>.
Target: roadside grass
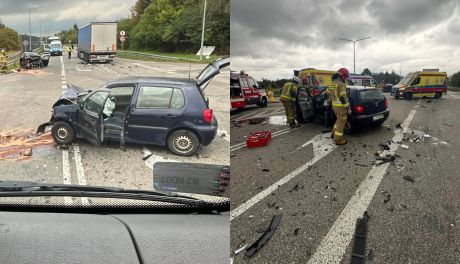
<point>182,57</point>
<point>452,88</point>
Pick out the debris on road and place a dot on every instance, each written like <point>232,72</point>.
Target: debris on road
<point>256,246</point>
<point>384,146</point>
<point>241,249</point>
<point>408,178</point>
<point>398,125</point>
<point>258,139</point>
<point>404,146</point>
<point>17,145</point>
<point>296,231</point>
<point>265,170</point>
<point>385,159</point>
<point>370,255</point>
<point>387,198</point>
<point>27,152</point>
<point>146,157</point>
<point>358,252</point>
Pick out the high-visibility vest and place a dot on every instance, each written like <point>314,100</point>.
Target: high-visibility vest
<point>286,92</point>
<point>336,91</point>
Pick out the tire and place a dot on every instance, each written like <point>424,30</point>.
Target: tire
<point>438,95</point>
<point>408,96</point>
<point>63,133</point>
<point>45,63</point>
<point>264,102</point>
<point>183,143</point>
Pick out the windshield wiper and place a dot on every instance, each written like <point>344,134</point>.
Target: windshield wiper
<point>27,189</point>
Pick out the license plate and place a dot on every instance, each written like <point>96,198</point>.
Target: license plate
<point>103,56</point>
<point>377,117</point>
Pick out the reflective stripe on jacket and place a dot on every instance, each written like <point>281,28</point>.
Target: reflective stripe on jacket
<point>336,90</point>
<point>288,92</point>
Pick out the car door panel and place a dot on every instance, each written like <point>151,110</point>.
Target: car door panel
<point>90,119</point>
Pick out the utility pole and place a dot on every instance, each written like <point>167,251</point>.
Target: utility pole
<point>202,31</point>
<point>354,50</point>
<point>30,27</point>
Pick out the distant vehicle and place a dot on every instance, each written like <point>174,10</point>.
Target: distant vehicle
<point>97,41</point>
<point>244,90</point>
<point>145,110</point>
<point>427,83</point>
<point>368,104</point>
<point>56,48</point>
<point>363,80</point>
<point>387,88</point>
<point>52,38</point>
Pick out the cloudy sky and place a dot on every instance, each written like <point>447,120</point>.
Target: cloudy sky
<point>270,38</point>
<point>56,15</point>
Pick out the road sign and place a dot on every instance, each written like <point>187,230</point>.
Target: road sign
<point>25,42</point>
<point>207,50</point>
<point>122,39</point>
<point>122,33</point>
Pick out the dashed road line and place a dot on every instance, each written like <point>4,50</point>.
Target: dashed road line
<point>322,145</point>
<point>66,174</point>
<point>334,244</point>
<point>80,170</point>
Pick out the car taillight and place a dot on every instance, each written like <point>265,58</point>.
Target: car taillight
<point>386,103</point>
<point>207,115</point>
<point>359,109</point>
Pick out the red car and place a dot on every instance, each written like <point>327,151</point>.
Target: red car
<point>244,90</point>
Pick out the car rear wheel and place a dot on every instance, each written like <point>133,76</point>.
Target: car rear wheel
<point>63,133</point>
<point>438,95</point>
<point>408,96</point>
<point>183,143</point>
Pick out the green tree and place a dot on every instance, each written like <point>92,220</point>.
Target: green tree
<point>366,71</point>
<point>9,39</point>
<point>455,80</point>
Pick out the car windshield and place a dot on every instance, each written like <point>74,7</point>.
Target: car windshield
<point>370,95</point>
<point>407,80</point>
<point>55,46</point>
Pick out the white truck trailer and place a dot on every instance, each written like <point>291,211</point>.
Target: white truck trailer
<point>97,41</point>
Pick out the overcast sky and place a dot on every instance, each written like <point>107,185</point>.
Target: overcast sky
<point>270,38</point>
<point>56,15</point>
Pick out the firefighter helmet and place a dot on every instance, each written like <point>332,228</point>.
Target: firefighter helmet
<point>344,73</point>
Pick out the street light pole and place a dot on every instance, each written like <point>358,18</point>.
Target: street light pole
<point>202,31</point>
<point>354,50</point>
<point>30,27</point>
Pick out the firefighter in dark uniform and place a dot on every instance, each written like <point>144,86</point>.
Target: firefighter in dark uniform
<point>338,94</point>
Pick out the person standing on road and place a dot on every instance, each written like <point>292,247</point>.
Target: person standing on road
<point>287,97</point>
<point>338,94</point>
<point>69,52</point>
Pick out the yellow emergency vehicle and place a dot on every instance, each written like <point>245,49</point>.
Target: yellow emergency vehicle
<point>319,79</point>
<point>426,83</point>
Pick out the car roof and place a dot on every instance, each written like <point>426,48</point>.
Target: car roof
<point>162,80</point>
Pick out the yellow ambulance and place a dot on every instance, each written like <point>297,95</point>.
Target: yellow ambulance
<point>319,79</point>
<point>426,83</point>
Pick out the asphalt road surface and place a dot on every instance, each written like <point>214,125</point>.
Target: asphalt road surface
<point>26,98</point>
<point>322,189</point>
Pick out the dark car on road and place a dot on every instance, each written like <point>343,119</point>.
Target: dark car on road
<point>368,104</point>
<point>167,112</point>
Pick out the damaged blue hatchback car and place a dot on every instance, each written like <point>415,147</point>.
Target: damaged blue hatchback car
<point>169,112</point>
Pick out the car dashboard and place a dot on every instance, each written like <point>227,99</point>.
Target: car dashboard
<point>36,237</point>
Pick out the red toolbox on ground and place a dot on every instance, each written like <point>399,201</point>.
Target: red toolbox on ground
<point>258,139</point>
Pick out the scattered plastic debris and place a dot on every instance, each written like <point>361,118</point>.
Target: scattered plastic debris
<point>387,158</point>
<point>241,249</point>
<point>18,145</point>
<point>408,178</point>
<point>384,146</point>
<point>259,139</point>
<point>256,246</point>
<point>404,146</point>
<point>358,252</point>
<point>265,170</point>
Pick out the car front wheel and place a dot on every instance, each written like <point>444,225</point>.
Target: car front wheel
<point>63,133</point>
<point>264,102</point>
<point>183,143</point>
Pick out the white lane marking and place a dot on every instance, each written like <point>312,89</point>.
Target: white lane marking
<point>334,244</point>
<point>106,69</point>
<point>87,70</point>
<point>155,69</point>
<point>221,132</point>
<point>66,174</point>
<point>62,68</point>
<point>322,145</point>
<point>454,95</point>
<point>274,134</point>
<point>80,171</point>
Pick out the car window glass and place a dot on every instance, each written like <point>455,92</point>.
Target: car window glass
<point>206,73</point>
<point>154,97</point>
<point>416,81</point>
<point>234,83</point>
<point>252,83</point>
<point>368,96</point>
<point>244,82</point>
<point>177,100</point>
<point>95,102</point>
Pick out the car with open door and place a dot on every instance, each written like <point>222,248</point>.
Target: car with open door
<point>368,107</point>
<point>169,112</point>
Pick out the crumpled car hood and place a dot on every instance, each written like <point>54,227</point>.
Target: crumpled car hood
<point>71,95</point>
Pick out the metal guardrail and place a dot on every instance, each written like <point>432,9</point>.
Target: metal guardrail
<point>149,55</point>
